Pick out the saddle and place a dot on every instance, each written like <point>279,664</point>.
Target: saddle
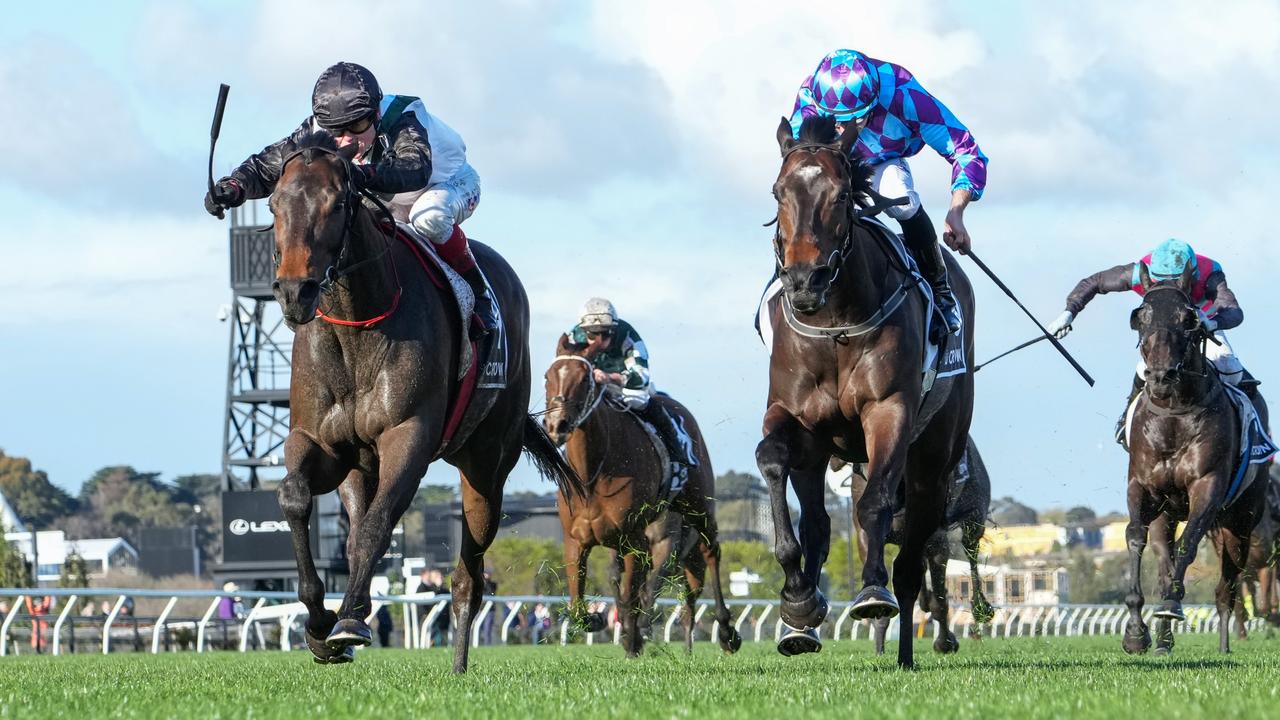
<point>674,475</point>
<point>482,365</point>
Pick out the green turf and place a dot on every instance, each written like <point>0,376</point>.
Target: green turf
<point>1018,678</point>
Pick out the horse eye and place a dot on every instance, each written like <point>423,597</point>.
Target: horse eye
<point>844,197</point>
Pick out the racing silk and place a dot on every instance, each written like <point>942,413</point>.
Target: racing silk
<point>400,158</point>
<point>626,354</point>
<point>448,151</point>
<point>904,119</point>
<point>1210,290</point>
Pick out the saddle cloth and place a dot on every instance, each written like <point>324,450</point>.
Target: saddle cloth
<point>482,367</point>
<point>939,361</point>
<point>1256,446</point>
<point>671,484</point>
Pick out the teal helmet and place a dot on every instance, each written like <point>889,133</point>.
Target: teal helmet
<point>1170,258</point>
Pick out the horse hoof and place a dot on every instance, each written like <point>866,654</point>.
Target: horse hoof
<point>806,613</point>
<point>946,644</point>
<point>349,632</point>
<point>1171,610</point>
<point>733,644</point>
<point>1136,644</point>
<point>1162,652</point>
<point>325,655</point>
<point>874,602</point>
<point>798,642</point>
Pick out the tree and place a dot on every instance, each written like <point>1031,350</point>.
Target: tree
<point>36,500</point>
<point>734,485</point>
<point>14,570</point>
<point>1007,511</point>
<point>1081,515</point>
<point>120,501</point>
<point>438,494</point>
<point>75,572</point>
<point>204,493</point>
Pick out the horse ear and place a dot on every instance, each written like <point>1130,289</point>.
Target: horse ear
<point>563,346</point>
<point>1188,279</point>
<point>1144,276</point>
<point>849,136</point>
<point>785,139</point>
<point>1133,318</point>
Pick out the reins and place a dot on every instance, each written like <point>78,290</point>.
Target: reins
<point>594,395</point>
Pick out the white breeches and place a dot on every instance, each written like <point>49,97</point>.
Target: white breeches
<point>1219,354</point>
<point>892,179</point>
<point>637,399</point>
<point>435,211</point>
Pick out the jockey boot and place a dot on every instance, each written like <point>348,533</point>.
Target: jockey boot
<point>1249,384</point>
<point>1138,384</point>
<point>922,241</point>
<point>457,252</point>
<point>681,454</point>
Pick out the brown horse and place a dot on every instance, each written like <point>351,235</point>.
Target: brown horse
<point>1183,450</point>
<point>616,455</point>
<point>852,387</point>
<point>369,398</point>
<point>1259,574</point>
<point>968,501</point>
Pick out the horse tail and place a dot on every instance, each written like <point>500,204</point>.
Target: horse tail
<point>549,462</point>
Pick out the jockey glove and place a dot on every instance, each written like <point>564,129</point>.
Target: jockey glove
<point>361,175</point>
<point>226,193</point>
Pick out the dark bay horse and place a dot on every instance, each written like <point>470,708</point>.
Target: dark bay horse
<point>968,501</point>
<point>1183,449</point>
<point>623,472</point>
<point>856,394</point>
<point>1258,577</point>
<point>371,390</point>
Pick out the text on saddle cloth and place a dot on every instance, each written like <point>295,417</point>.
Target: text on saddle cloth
<point>939,362</point>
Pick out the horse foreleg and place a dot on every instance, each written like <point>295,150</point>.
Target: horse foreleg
<point>1137,638</point>
<point>1160,536</point>
<point>695,569</point>
<point>935,593</point>
<point>576,554</point>
<point>1203,510</point>
<point>635,569</point>
<point>774,457</point>
<point>311,472</point>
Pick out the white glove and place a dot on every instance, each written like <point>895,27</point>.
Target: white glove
<point>1208,323</point>
<point>1061,325</point>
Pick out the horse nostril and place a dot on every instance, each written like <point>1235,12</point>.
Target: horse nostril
<point>308,291</point>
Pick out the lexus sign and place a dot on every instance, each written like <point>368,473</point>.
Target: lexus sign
<point>254,529</point>
<point>240,526</point>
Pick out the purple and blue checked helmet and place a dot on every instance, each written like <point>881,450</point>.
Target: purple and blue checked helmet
<point>845,85</point>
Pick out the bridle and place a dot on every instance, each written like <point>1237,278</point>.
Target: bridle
<point>594,395</point>
<point>338,269</point>
<point>1198,336</point>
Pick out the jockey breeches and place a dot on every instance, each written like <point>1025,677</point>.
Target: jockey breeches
<point>892,179</point>
<point>441,206</point>
<point>634,399</point>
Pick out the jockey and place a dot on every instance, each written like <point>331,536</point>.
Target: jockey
<point>1218,307</point>
<point>895,118</point>
<point>398,150</point>
<point>621,364</point>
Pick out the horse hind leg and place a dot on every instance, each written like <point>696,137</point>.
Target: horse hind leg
<point>1227,593</point>
<point>971,538</point>
<point>1160,533</point>
<point>635,570</point>
<point>934,595</point>
<point>695,570</point>
<point>925,511</point>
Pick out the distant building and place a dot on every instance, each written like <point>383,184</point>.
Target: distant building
<point>1035,583</point>
<point>101,555</point>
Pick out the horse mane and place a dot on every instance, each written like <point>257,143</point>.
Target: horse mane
<point>821,130</point>
<point>316,143</point>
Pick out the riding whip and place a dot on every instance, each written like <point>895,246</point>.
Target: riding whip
<point>1047,335</point>
<point>1011,351</point>
<point>223,89</point>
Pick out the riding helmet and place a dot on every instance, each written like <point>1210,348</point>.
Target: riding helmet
<point>845,85</point>
<point>598,314</point>
<point>344,94</point>
<point>1170,259</point>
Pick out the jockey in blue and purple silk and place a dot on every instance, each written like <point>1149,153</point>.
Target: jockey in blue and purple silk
<point>895,117</point>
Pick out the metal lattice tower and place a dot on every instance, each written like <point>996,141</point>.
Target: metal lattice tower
<point>257,409</point>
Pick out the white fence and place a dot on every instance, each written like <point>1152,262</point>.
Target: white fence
<point>280,612</point>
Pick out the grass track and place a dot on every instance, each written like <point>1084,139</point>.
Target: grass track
<point>1017,678</point>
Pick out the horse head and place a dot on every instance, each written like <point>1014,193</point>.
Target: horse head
<point>818,191</point>
<point>572,391</point>
<point>1169,330</point>
<point>314,204</point>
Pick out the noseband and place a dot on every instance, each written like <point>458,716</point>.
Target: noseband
<point>594,395</point>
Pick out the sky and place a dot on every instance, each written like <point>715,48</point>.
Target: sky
<point>626,150</point>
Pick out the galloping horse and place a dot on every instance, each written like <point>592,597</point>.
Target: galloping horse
<point>1183,449</point>
<point>852,387</point>
<point>968,500</point>
<point>615,454</point>
<point>371,392</point>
